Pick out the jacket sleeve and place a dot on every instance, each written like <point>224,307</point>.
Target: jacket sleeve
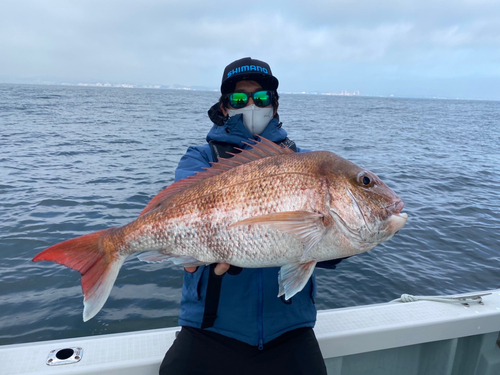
<point>194,160</point>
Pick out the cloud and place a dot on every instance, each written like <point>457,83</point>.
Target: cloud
<point>190,42</point>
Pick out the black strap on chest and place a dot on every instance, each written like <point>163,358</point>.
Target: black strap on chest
<point>223,150</point>
<point>214,284</point>
<point>212,298</point>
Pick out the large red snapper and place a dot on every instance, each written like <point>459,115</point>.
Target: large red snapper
<point>264,207</point>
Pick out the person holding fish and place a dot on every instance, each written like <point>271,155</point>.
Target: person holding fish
<point>232,322</point>
<point>250,217</point>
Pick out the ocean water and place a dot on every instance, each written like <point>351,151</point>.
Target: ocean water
<point>78,159</point>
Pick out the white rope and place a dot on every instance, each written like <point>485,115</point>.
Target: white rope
<point>464,300</point>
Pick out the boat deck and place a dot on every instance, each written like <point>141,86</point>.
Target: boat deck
<point>416,338</point>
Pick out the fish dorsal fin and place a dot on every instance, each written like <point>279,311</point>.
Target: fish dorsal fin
<point>261,149</point>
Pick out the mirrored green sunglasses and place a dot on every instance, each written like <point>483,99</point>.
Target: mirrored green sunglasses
<point>240,99</point>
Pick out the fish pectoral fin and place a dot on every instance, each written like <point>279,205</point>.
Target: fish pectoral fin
<point>306,226</point>
<point>156,257</point>
<point>293,277</point>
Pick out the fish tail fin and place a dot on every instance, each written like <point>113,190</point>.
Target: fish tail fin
<point>97,261</point>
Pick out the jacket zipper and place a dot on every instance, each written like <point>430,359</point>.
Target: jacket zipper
<point>261,312</point>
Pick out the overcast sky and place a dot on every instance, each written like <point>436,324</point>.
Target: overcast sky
<point>431,48</point>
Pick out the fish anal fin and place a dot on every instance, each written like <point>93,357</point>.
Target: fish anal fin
<point>293,277</point>
<point>306,226</point>
<point>259,150</point>
<point>156,257</point>
<point>153,257</point>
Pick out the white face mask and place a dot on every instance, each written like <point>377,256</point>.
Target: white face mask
<point>255,118</point>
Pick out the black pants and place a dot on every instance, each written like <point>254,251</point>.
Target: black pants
<point>197,351</point>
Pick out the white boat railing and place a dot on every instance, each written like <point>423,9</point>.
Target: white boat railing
<point>417,338</point>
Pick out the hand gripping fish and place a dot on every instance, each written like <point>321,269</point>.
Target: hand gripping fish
<point>264,207</point>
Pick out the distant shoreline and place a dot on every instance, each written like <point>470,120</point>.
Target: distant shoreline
<point>207,89</point>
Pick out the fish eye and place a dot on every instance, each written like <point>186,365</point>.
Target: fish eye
<point>365,179</point>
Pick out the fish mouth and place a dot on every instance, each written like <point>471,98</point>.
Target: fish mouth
<point>398,219</point>
<point>396,207</point>
<point>396,222</point>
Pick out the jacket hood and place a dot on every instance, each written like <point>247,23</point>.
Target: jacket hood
<point>215,114</point>
<point>231,129</point>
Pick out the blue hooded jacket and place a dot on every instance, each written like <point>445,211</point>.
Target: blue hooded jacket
<point>249,309</point>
